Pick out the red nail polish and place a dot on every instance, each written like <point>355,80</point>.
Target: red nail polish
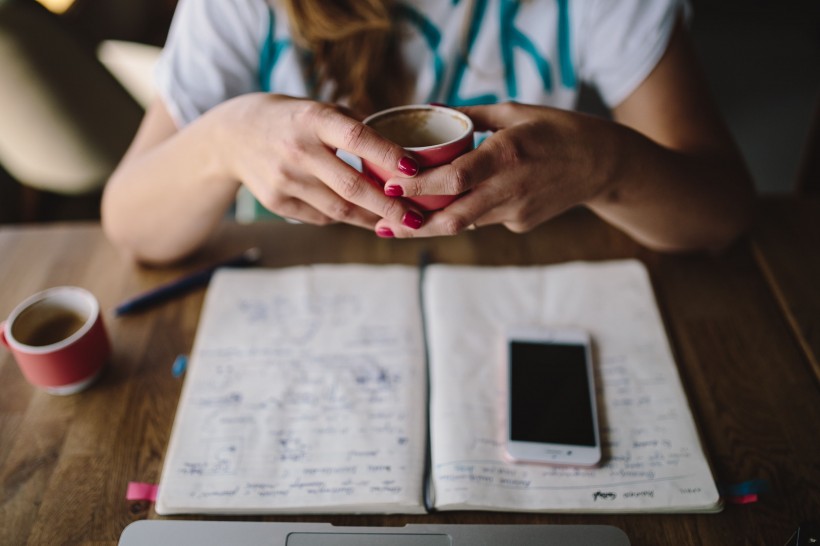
<point>408,166</point>
<point>412,219</point>
<point>438,104</point>
<point>385,233</point>
<point>393,191</point>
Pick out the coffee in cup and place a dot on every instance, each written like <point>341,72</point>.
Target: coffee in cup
<point>58,339</point>
<point>435,134</point>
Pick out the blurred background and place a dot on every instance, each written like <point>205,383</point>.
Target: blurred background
<point>59,142</point>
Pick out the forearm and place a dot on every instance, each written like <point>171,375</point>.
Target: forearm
<point>672,200</point>
<point>162,202</point>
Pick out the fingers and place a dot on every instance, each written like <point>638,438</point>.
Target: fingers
<point>330,205</point>
<point>478,208</point>
<point>503,181</point>
<point>296,209</point>
<point>492,117</point>
<point>466,173</point>
<point>463,174</point>
<point>293,170</point>
<point>353,192</point>
<point>294,192</point>
<point>338,130</point>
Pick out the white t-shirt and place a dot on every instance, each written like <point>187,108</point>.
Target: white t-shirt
<point>530,51</point>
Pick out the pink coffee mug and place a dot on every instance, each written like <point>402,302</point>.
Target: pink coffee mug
<point>58,339</point>
<point>435,134</point>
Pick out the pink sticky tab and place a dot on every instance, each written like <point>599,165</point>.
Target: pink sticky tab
<point>743,499</point>
<point>141,491</point>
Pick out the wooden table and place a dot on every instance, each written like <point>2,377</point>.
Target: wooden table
<point>744,327</point>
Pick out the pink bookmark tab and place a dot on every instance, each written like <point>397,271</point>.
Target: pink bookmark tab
<point>742,499</point>
<point>141,491</point>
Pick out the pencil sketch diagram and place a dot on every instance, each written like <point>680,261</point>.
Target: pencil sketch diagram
<point>220,457</point>
<point>289,447</point>
<point>323,402</point>
<point>224,456</point>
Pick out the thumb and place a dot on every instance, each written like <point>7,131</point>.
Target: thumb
<point>492,117</point>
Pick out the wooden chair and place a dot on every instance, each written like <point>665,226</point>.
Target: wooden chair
<point>66,120</point>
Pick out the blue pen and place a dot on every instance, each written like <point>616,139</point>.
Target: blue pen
<point>184,284</point>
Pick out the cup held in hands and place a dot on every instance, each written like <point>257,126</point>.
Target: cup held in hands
<point>58,339</point>
<point>436,135</point>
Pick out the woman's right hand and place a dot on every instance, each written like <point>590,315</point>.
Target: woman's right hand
<point>283,149</point>
<point>172,189</point>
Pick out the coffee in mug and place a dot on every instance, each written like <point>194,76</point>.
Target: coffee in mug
<point>436,135</point>
<point>58,339</point>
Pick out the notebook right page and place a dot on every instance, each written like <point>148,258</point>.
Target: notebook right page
<point>653,460</point>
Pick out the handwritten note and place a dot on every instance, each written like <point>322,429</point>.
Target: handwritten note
<point>305,392</point>
<point>652,456</point>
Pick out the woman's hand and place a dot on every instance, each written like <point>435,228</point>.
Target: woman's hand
<point>678,192</point>
<point>283,150</point>
<point>665,171</point>
<point>539,162</point>
<point>173,187</point>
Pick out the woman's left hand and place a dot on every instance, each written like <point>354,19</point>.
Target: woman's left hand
<point>539,162</point>
<point>665,170</point>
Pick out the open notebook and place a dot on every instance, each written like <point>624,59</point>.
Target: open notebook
<point>307,392</point>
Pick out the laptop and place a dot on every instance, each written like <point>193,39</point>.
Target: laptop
<point>242,533</point>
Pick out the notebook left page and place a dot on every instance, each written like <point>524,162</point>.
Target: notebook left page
<point>305,392</point>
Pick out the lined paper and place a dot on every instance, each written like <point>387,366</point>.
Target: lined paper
<point>305,391</point>
<point>653,459</point>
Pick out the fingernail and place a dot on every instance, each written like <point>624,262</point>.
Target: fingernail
<point>412,219</point>
<point>393,191</point>
<point>408,166</point>
<point>438,104</point>
<point>385,232</point>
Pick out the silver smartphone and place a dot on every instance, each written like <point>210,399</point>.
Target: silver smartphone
<point>552,412</point>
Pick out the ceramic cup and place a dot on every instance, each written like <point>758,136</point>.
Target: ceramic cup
<point>58,339</point>
<point>435,134</point>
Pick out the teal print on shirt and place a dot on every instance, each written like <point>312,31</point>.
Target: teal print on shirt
<point>433,38</point>
<point>564,53</point>
<point>452,97</point>
<point>272,49</point>
<point>511,38</point>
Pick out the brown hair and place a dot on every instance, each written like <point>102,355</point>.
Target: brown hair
<point>354,48</point>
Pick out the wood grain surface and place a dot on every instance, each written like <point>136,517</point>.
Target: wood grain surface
<point>743,327</point>
<point>787,248</point>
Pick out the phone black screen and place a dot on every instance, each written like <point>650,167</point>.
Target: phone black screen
<point>549,394</point>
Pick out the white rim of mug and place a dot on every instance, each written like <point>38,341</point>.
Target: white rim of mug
<point>443,109</point>
<point>46,294</point>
